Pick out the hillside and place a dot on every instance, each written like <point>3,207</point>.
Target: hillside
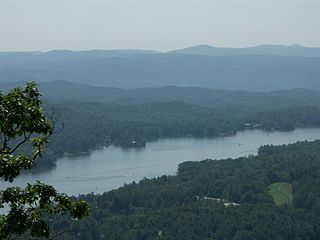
<point>227,199</point>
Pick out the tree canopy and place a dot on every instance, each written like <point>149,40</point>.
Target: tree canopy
<point>24,132</point>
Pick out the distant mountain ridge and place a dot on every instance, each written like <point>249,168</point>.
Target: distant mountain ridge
<point>202,49</point>
<point>275,50</point>
<point>67,55</point>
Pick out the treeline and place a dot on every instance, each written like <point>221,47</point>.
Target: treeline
<point>185,206</point>
<point>82,127</point>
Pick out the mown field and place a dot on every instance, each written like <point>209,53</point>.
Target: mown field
<point>281,193</point>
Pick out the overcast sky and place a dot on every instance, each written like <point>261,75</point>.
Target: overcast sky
<point>156,24</point>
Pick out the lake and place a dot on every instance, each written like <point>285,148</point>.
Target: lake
<point>112,166</point>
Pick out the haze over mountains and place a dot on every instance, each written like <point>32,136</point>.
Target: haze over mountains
<point>262,68</point>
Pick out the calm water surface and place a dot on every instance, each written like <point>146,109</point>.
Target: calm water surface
<point>112,166</point>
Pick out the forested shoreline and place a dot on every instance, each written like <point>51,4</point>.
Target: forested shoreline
<point>182,206</point>
<point>131,118</point>
<point>83,127</point>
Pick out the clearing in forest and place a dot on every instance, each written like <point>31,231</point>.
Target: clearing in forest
<point>281,193</point>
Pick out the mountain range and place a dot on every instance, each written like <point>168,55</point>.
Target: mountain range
<point>262,68</point>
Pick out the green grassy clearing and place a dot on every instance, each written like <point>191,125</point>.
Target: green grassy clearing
<point>281,193</point>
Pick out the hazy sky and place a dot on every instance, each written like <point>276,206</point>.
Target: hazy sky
<point>156,24</point>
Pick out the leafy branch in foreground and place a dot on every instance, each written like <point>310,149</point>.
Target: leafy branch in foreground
<point>24,132</point>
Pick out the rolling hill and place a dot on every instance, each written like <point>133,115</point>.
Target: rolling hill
<point>61,91</point>
<point>66,91</point>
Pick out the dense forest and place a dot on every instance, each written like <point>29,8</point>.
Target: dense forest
<point>227,199</point>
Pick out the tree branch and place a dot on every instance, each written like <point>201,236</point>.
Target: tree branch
<point>26,138</point>
<point>60,233</point>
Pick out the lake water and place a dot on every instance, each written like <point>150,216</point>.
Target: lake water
<point>111,167</point>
